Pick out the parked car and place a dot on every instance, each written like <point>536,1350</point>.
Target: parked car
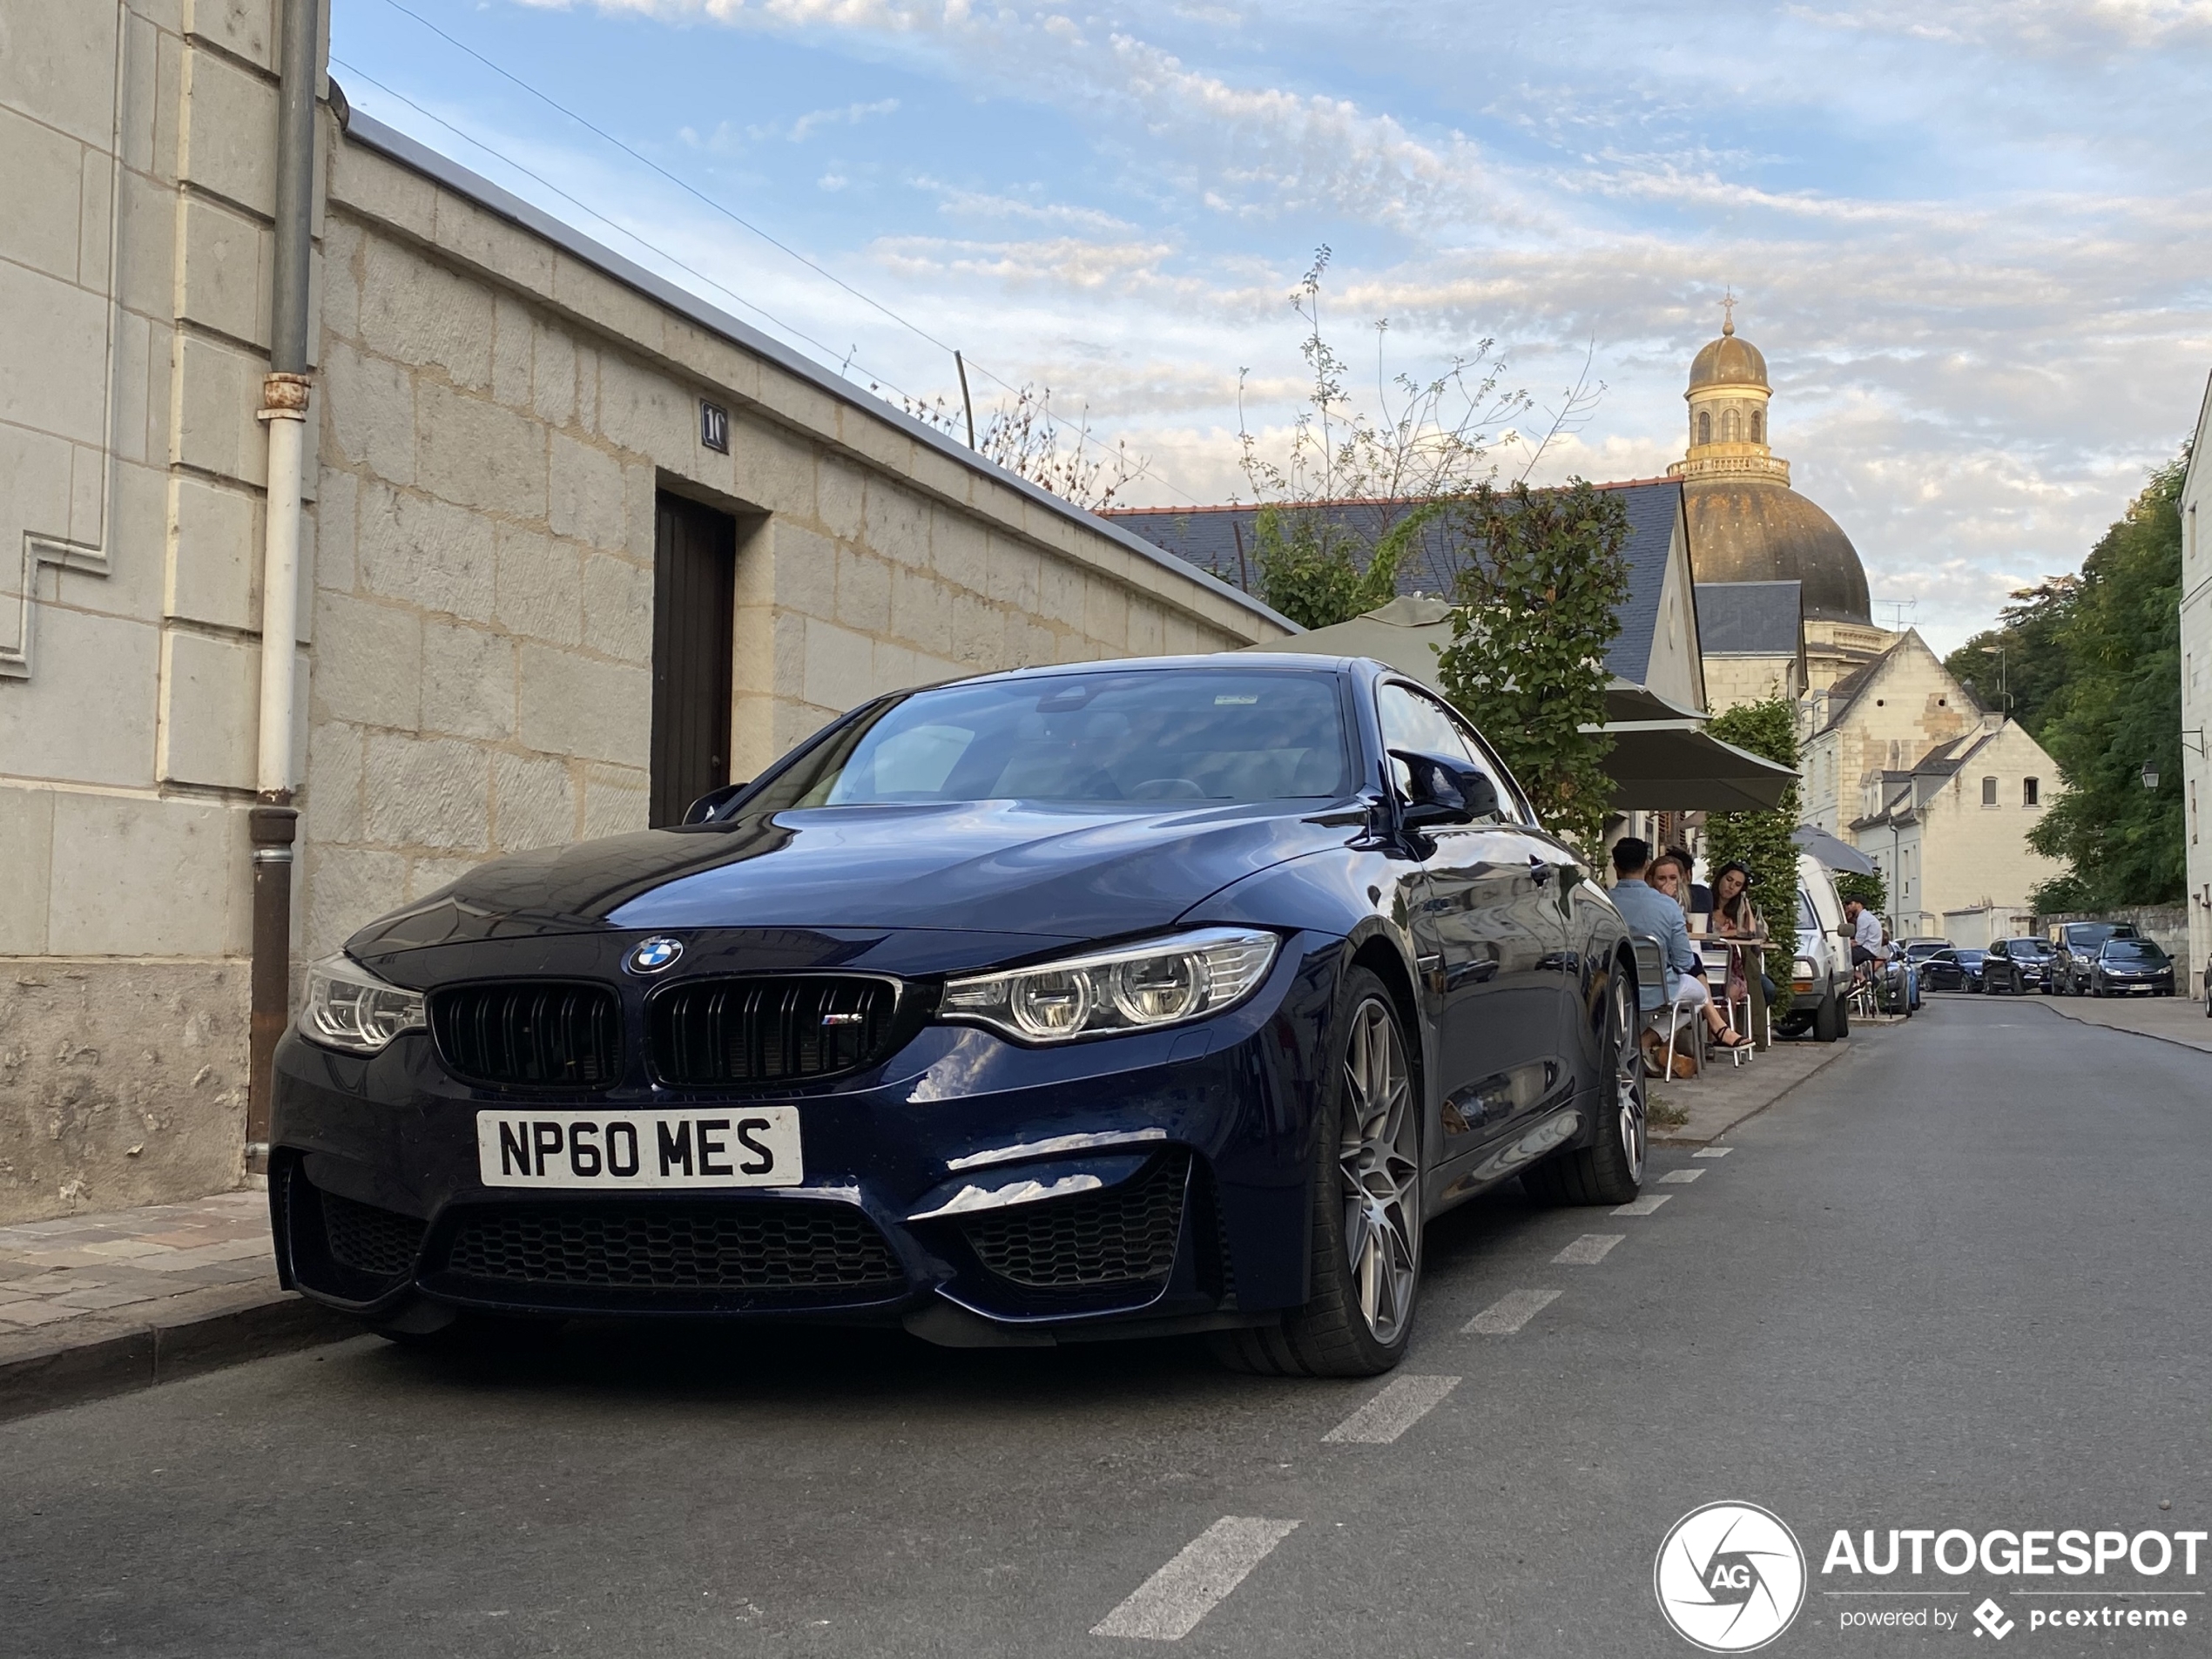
<point>1128,997</point>
<point>2018,966</point>
<point>2074,945</point>
<point>1820,977</point>
<point>1952,969</point>
<point>2131,967</point>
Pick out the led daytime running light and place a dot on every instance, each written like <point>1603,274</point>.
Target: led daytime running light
<point>349,1009</point>
<point>1138,987</point>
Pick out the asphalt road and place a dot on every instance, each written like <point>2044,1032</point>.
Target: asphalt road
<point>1956,1280</point>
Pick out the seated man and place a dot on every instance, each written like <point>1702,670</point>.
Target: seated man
<point>1650,912</point>
<point>1867,947</point>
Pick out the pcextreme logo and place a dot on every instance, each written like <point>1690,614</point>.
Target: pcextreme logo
<point>1730,1577</point>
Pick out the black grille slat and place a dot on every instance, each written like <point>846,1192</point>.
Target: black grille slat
<point>708,1033</point>
<point>369,1239</point>
<point>759,1246</point>
<point>1125,1235</point>
<point>534,1034</point>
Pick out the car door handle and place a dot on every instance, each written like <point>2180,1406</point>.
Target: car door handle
<point>1539,872</point>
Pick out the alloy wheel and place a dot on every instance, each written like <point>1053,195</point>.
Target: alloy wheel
<point>1378,1158</point>
<point>1627,1082</point>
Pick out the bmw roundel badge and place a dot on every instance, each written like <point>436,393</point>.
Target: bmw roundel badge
<point>650,955</point>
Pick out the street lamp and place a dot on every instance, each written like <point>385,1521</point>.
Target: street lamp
<point>2150,774</point>
<point>2004,694</point>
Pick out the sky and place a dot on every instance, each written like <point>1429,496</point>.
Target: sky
<point>1974,241</point>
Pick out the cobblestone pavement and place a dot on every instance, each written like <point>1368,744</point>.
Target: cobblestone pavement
<point>130,1262</point>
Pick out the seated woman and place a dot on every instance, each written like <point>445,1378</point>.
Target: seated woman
<point>1667,876</point>
<point>1736,917</point>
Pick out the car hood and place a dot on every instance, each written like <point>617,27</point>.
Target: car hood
<point>998,867</point>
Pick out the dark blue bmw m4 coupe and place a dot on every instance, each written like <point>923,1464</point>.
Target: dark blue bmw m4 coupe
<point>1121,998</point>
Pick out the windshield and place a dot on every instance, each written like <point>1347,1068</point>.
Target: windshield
<point>2136,953</point>
<point>1918,948</point>
<point>2090,933</point>
<point>1152,735</point>
<point>2027,947</point>
<point>1807,922</point>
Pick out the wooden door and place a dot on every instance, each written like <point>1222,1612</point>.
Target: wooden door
<point>695,554</point>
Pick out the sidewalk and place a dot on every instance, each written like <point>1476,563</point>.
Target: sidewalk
<point>98,1305</point>
<point>1722,1095</point>
<point>2175,1019</point>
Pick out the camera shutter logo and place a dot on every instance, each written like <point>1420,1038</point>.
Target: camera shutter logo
<point>1730,1577</point>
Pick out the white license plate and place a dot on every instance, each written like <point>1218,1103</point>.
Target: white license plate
<point>717,1146</point>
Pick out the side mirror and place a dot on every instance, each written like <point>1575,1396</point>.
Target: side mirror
<point>706,808</point>
<point>1443,791</point>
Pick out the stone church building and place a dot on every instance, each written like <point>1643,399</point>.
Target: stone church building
<point>571,546</point>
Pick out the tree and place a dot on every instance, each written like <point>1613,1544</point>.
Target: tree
<point>1761,841</point>
<point>1538,602</point>
<point>1351,500</point>
<point>2118,709</point>
<point>2017,667</point>
<point>1869,889</point>
<point>1021,435</point>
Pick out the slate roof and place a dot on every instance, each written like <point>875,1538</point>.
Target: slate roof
<point>1749,618</point>
<point>1901,793</point>
<point>1223,542</point>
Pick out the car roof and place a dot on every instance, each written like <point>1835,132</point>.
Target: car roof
<point>1215,660</point>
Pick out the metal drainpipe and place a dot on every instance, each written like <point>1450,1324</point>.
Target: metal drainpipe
<point>273,824</point>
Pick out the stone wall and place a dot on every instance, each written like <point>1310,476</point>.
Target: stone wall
<point>134,243</point>
<point>498,404</point>
<point>497,418</point>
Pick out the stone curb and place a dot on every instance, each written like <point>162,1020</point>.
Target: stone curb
<point>1836,1051</point>
<point>203,1331</point>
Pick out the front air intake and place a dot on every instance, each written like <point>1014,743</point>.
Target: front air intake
<point>717,1033</point>
<point>529,1034</point>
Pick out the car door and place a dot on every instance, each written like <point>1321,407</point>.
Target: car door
<point>1550,994</point>
<point>1497,937</point>
<point>1997,969</point>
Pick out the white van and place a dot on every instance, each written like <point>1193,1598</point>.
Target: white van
<point>1820,979</point>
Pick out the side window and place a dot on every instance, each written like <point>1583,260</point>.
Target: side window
<point>1509,796</point>
<point>1411,719</point>
<point>1997,949</point>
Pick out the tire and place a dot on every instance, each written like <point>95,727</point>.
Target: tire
<point>1367,1180</point>
<point>1831,1019</point>
<point>1611,1169</point>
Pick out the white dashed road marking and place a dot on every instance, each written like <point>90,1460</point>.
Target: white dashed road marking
<point>1168,1605</point>
<point>1589,1250</point>
<point>1679,1177</point>
<point>1508,1313</point>
<point>1713,1151</point>
<point>1390,1413</point>
<point>1644,1205</point>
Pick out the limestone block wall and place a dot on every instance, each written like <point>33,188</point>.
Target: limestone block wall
<point>1977,855</point>
<point>2196,687</point>
<point>1734,680</point>
<point>136,181</point>
<point>1908,706</point>
<point>498,414</point>
<point>496,406</point>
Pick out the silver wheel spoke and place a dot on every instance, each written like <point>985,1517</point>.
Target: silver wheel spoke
<point>1379,1164</point>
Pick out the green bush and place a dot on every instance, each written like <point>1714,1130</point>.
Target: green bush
<point>1761,841</point>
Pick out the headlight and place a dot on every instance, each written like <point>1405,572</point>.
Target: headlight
<point>346,1006</point>
<point>1801,974</point>
<point>1162,981</point>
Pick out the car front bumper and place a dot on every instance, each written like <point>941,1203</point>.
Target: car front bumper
<point>973,1188</point>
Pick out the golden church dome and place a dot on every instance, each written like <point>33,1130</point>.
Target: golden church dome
<point>1746,524</point>
<point>1728,361</point>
